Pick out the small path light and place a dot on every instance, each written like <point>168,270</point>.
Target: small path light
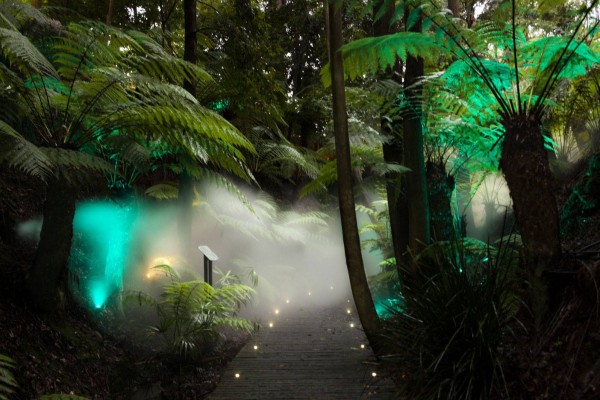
<point>362,346</point>
<point>237,375</point>
<point>373,374</point>
<point>351,325</point>
<point>255,347</point>
<point>209,258</point>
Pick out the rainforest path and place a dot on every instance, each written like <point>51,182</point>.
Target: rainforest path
<point>308,352</point>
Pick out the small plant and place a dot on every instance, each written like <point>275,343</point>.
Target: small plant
<point>192,315</point>
<point>8,383</point>
<point>458,300</point>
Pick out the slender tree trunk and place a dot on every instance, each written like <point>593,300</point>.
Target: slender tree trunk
<point>36,3</point>
<point>440,186</point>
<point>392,151</point>
<point>356,271</point>
<point>416,185</point>
<point>524,161</point>
<point>186,182</point>
<point>109,13</point>
<point>47,283</point>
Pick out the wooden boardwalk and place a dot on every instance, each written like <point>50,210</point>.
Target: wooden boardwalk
<point>311,353</point>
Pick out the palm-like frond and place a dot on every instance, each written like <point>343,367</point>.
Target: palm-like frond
<point>373,54</point>
<point>21,53</point>
<point>22,154</point>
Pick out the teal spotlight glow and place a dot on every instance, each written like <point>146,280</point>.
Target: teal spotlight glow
<point>98,293</point>
<point>100,249</point>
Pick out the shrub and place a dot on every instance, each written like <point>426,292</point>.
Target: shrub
<point>458,300</point>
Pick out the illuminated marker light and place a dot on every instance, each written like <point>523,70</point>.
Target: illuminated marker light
<point>255,347</point>
<point>276,311</point>
<point>310,293</point>
<point>288,301</point>
<point>237,376</point>
<point>349,311</point>
<point>373,374</point>
<point>362,346</point>
<point>351,325</point>
<point>270,324</point>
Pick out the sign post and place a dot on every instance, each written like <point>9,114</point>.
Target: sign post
<point>209,257</point>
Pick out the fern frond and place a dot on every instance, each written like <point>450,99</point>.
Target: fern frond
<point>373,54</point>
<point>8,383</point>
<point>20,153</point>
<point>163,191</point>
<point>20,52</point>
<point>76,160</point>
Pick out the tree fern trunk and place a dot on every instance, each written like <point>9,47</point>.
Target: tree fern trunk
<point>392,150</point>
<point>524,162</point>
<point>356,271</point>
<point>416,184</point>
<point>47,281</point>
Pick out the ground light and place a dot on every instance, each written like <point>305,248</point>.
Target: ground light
<point>100,249</point>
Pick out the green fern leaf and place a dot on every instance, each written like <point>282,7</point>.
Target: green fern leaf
<point>373,54</point>
<point>23,54</point>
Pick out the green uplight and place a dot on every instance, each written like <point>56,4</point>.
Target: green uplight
<point>98,293</point>
<point>100,249</point>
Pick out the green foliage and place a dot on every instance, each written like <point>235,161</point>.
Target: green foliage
<point>458,300</point>
<point>192,314</point>
<point>8,383</point>
<point>83,87</point>
<point>373,54</point>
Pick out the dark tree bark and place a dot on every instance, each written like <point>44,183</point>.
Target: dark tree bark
<point>524,161</point>
<point>440,186</point>
<point>392,151</point>
<point>186,182</point>
<point>36,3</point>
<point>416,185</point>
<point>46,282</point>
<point>358,280</point>
<point>109,13</point>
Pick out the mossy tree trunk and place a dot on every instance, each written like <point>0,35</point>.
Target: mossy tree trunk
<point>47,277</point>
<point>524,161</point>
<point>356,271</point>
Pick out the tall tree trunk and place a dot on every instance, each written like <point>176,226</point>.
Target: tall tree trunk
<point>36,3</point>
<point>392,150</point>
<point>416,185</point>
<point>109,13</point>
<point>186,182</point>
<point>524,161</point>
<point>440,186</point>
<point>47,283</point>
<point>356,271</point>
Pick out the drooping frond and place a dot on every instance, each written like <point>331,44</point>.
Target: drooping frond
<point>373,54</point>
<point>18,152</point>
<point>163,191</point>
<point>76,160</point>
<point>168,68</point>
<point>197,120</point>
<point>20,52</point>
